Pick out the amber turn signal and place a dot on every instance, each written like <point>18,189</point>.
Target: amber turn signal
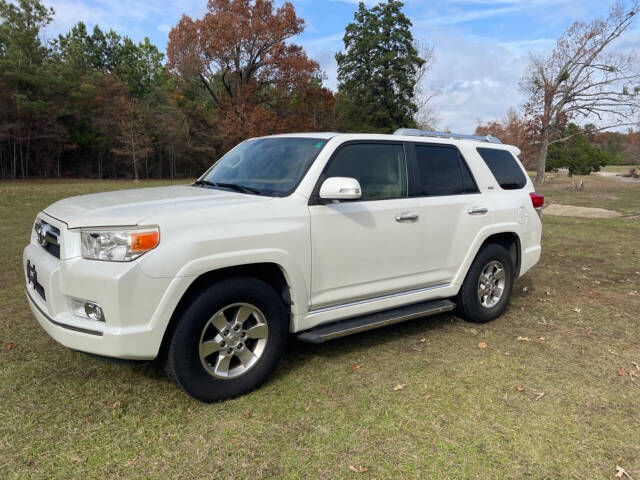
<point>144,241</point>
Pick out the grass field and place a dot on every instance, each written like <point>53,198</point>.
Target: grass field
<point>554,394</point>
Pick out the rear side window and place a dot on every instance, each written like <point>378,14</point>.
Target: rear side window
<point>441,171</point>
<point>504,167</point>
<point>379,167</point>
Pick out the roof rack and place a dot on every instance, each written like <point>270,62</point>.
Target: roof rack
<point>414,132</point>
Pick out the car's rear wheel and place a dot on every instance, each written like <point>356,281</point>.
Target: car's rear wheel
<point>229,340</point>
<point>487,288</point>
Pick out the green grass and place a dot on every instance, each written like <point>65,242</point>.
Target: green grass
<point>460,415</point>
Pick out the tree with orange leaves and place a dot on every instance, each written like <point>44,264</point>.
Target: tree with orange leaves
<point>259,83</point>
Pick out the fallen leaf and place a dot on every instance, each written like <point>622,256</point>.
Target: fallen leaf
<point>588,332</point>
<point>635,364</point>
<point>246,414</point>
<point>524,339</point>
<point>399,387</point>
<point>306,409</point>
<point>357,366</point>
<point>427,396</point>
<point>613,352</point>
<point>482,345</point>
<point>11,346</point>
<point>189,409</point>
<point>520,388</point>
<point>621,472</point>
<point>115,405</point>
<point>621,371</point>
<point>359,469</point>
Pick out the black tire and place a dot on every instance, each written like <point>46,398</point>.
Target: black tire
<point>469,305</point>
<point>183,364</point>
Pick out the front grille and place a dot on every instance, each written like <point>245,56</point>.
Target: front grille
<point>48,237</point>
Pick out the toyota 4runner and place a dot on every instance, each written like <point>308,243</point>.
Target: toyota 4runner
<point>321,235</point>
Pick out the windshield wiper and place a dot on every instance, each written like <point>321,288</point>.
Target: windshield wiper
<point>239,188</point>
<point>200,183</point>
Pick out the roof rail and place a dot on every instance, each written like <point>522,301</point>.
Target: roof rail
<point>414,132</point>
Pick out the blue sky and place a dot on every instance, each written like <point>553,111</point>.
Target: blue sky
<point>481,46</point>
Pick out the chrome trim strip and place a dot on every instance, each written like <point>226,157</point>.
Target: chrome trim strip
<point>375,299</point>
<point>391,321</point>
<point>58,324</point>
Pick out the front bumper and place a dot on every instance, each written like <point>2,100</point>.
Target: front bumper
<point>137,308</point>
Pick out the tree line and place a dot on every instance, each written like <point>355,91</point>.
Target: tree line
<point>97,104</point>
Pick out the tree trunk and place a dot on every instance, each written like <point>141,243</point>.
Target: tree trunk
<point>542,160</point>
<point>135,163</point>
<point>14,168</point>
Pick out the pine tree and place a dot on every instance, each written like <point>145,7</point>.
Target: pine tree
<point>377,71</point>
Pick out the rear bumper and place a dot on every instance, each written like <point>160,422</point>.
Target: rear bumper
<point>529,258</point>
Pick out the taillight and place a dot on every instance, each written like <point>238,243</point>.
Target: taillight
<point>537,200</point>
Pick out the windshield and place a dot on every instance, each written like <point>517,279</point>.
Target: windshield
<point>266,166</point>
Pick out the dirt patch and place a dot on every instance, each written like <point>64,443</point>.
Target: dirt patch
<point>584,212</point>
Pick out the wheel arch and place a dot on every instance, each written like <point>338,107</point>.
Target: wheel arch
<point>511,242</point>
<point>271,273</point>
<point>509,239</point>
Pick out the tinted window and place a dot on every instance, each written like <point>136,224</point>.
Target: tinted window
<point>441,171</point>
<point>380,169</point>
<point>504,167</point>
<point>273,166</point>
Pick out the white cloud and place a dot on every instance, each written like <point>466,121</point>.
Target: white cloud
<point>478,80</point>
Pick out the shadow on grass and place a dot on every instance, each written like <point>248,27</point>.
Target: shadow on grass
<point>300,353</point>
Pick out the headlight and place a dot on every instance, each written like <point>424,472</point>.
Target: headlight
<point>119,245</point>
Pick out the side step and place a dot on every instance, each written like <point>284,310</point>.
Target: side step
<point>342,328</point>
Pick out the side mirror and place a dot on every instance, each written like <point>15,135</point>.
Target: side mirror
<point>340,188</point>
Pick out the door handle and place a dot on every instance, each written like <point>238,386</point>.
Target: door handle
<point>407,217</point>
<point>478,211</point>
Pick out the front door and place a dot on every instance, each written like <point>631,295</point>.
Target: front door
<point>365,248</point>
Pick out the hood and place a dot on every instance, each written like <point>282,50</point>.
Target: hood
<point>131,207</point>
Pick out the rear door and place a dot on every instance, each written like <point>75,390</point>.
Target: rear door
<point>451,210</point>
<point>365,248</point>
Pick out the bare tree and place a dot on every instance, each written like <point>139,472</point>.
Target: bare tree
<point>427,115</point>
<point>583,80</point>
<point>133,140</point>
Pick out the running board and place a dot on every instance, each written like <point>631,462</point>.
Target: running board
<point>362,323</point>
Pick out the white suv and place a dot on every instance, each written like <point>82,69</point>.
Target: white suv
<point>319,234</point>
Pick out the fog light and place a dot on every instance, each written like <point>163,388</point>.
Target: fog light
<point>94,311</point>
<point>86,309</point>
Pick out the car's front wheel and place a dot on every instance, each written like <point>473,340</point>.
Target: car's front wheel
<point>229,340</point>
<point>487,288</point>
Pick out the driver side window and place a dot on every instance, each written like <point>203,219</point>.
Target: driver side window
<point>379,167</point>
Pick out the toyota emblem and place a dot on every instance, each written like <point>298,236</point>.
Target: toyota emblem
<point>42,231</point>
